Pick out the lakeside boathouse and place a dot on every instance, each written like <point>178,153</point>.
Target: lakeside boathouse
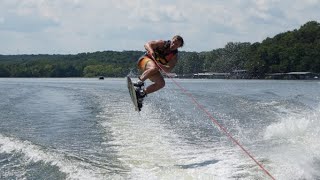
<point>294,76</point>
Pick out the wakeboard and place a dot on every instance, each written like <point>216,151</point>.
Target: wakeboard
<point>133,95</point>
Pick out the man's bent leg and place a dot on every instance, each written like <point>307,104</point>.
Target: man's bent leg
<point>150,69</point>
<point>158,83</point>
<point>148,73</point>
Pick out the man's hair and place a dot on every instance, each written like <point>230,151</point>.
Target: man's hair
<point>179,39</point>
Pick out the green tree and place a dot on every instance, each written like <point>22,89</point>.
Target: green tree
<point>4,71</point>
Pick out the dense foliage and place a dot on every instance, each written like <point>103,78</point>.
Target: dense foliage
<point>107,63</point>
<point>297,50</point>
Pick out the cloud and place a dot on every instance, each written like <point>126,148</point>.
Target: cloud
<point>73,26</point>
<point>20,23</point>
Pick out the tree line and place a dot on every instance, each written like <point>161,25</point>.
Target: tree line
<point>297,50</point>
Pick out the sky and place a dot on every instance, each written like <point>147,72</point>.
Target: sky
<point>77,26</point>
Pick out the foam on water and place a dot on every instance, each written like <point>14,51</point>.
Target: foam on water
<point>295,143</point>
<point>170,139</point>
<point>73,168</point>
<point>152,151</point>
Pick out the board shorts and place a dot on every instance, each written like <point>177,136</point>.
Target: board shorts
<point>142,62</point>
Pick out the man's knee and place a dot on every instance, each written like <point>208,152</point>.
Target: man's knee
<point>161,84</point>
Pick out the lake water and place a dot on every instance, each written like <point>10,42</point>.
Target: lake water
<point>74,128</point>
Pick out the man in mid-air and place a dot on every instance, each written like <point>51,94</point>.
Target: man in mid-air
<point>160,55</point>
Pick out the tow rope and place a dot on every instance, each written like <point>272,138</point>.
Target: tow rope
<point>224,130</point>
